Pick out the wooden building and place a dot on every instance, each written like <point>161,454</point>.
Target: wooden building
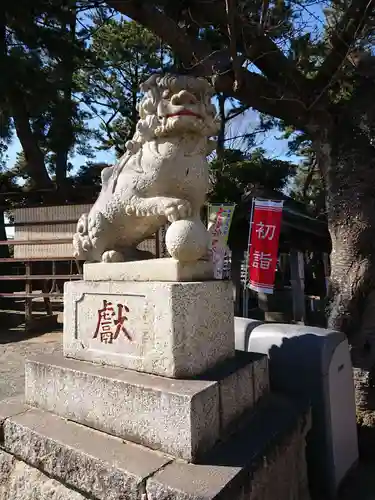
<point>303,266</point>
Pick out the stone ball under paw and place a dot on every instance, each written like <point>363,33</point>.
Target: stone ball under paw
<point>187,240</point>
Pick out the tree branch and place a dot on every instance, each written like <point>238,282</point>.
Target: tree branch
<point>258,48</point>
<point>198,57</point>
<point>231,20</point>
<point>236,112</point>
<point>257,92</point>
<point>308,179</point>
<point>342,41</point>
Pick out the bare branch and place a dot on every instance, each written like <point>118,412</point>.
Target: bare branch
<point>236,112</point>
<point>259,49</point>
<point>263,15</point>
<point>247,135</point>
<point>192,52</point>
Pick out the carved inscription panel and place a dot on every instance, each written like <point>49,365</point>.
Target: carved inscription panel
<point>119,325</point>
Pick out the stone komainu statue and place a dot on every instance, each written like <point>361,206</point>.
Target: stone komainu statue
<point>162,176</point>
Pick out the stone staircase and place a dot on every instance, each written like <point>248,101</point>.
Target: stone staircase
<point>106,433</point>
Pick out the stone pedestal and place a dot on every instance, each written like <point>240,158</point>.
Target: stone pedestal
<point>150,400</point>
<point>172,329</point>
<point>149,270</point>
<point>184,418</point>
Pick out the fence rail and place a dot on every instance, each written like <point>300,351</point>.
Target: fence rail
<point>35,242</point>
<point>39,249</point>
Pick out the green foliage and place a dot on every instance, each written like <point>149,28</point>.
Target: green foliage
<point>308,187</point>
<point>73,76</point>
<point>125,54</point>
<point>307,53</point>
<point>78,68</point>
<point>89,175</point>
<point>238,173</point>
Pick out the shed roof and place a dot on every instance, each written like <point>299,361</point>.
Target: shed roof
<point>299,229</point>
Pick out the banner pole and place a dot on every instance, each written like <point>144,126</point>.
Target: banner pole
<point>245,308</point>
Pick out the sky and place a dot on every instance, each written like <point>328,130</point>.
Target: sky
<point>77,160</point>
<point>271,141</point>
<point>312,17</point>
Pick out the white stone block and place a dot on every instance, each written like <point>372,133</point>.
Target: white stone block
<point>149,270</point>
<point>171,329</point>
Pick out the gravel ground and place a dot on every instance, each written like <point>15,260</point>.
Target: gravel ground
<point>15,348</point>
<point>13,353</point>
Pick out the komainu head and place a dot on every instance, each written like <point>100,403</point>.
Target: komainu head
<point>175,105</point>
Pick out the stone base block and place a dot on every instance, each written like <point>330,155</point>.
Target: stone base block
<point>149,270</point>
<point>19,481</point>
<point>242,381</point>
<point>82,458</point>
<point>184,418</point>
<point>264,462</point>
<point>171,329</point>
<point>46,457</point>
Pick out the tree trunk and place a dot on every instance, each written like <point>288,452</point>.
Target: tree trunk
<point>35,164</point>
<point>134,112</point>
<point>8,88</point>
<point>347,158</point>
<point>351,218</point>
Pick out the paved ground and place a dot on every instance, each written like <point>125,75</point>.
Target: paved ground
<point>15,348</point>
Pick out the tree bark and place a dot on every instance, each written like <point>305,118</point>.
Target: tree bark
<point>35,164</point>
<point>351,217</point>
<point>4,250</point>
<point>347,158</point>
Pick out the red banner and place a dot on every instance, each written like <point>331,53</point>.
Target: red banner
<point>264,244</point>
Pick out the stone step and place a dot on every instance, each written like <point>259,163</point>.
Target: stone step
<point>263,461</point>
<point>184,418</point>
<point>82,458</point>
